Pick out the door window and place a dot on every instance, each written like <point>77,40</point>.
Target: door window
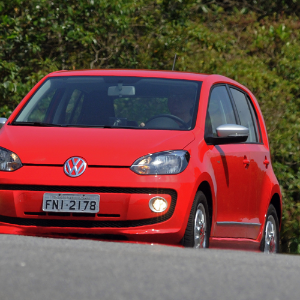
<point>255,121</point>
<point>246,118</point>
<point>220,110</point>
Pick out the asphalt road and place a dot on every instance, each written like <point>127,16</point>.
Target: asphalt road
<point>43,268</point>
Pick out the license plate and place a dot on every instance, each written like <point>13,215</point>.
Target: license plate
<point>57,202</point>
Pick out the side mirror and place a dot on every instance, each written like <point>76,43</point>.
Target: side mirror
<point>2,122</point>
<point>228,134</point>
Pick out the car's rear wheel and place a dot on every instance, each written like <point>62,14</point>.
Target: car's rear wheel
<point>198,227</point>
<point>270,240</point>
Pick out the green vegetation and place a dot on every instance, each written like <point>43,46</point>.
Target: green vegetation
<point>254,42</point>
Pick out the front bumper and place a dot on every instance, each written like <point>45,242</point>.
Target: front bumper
<point>124,209</point>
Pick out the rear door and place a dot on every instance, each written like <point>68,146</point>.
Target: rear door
<point>258,156</point>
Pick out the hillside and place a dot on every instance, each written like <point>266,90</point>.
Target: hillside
<point>254,42</point>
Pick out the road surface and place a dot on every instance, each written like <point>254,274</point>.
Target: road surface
<point>44,268</point>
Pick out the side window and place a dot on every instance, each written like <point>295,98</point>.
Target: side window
<point>246,117</point>
<point>254,117</point>
<point>220,110</point>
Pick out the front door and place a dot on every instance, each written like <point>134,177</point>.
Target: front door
<point>230,165</point>
<point>259,159</point>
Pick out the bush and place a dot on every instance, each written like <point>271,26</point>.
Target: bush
<point>254,42</point>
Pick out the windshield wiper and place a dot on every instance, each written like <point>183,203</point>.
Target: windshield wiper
<point>86,126</point>
<point>126,127</point>
<point>42,124</point>
<point>96,126</point>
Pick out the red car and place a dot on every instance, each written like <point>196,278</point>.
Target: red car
<point>149,156</point>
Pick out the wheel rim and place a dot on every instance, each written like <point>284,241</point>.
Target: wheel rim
<point>270,236</point>
<point>200,227</point>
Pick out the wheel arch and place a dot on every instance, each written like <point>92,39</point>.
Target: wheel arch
<point>205,188</point>
<point>275,201</point>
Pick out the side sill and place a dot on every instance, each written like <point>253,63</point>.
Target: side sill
<point>237,230</point>
<point>234,244</point>
<point>237,224</point>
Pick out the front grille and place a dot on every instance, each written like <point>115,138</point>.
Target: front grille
<point>61,214</point>
<point>55,214</point>
<point>88,223</point>
<point>83,189</point>
<point>107,237</point>
<point>29,213</point>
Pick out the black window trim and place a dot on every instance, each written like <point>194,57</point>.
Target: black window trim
<point>237,120</point>
<point>250,103</point>
<point>248,99</point>
<point>237,117</point>
<point>196,107</point>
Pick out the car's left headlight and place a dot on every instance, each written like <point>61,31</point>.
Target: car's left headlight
<point>163,163</point>
<point>9,161</point>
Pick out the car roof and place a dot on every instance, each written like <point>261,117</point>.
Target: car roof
<point>133,73</point>
<point>168,74</point>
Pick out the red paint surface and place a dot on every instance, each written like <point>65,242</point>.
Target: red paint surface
<point>240,193</point>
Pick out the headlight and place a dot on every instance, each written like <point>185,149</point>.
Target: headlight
<point>9,161</point>
<point>167,162</point>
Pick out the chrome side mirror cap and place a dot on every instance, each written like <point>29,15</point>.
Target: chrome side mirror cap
<point>2,122</point>
<point>228,134</point>
<point>232,130</point>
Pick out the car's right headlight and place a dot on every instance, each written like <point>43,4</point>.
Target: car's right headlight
<point>163,163</point>
<point>9,161</point>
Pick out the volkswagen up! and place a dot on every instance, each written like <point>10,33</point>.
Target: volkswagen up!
<point>147,156</point>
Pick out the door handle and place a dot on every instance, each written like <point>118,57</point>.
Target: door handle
<point>266,162</point>
<point>246,162</point>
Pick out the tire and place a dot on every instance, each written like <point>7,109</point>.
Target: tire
<point>271,236</point>
<point>198,236</point>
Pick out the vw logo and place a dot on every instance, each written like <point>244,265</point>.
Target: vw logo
<point>74,166</point>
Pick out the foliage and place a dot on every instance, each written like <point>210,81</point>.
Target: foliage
<point>254,42</point>
<point>262,8</point>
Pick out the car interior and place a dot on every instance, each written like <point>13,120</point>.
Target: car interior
<point>109,102</point>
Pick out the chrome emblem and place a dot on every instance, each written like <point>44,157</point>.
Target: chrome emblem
<point>74,166</point>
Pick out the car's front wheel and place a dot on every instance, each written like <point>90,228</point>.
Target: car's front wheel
<point>198,227</point>
<point>270,240</point>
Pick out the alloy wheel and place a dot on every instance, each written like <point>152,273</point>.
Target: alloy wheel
<point>200,227</point>
<point>270,235</point>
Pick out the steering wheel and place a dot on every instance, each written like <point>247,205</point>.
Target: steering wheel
<point>177,119</point>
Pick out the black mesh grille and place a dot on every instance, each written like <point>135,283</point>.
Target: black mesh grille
<point>83,189</point>
<point>88,223</point>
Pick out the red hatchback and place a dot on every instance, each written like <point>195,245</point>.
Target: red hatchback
<point>151,156</point>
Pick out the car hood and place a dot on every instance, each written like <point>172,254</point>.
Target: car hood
<point>98,146</point>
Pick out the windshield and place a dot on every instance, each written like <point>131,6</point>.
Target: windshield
<point>110,101</point>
